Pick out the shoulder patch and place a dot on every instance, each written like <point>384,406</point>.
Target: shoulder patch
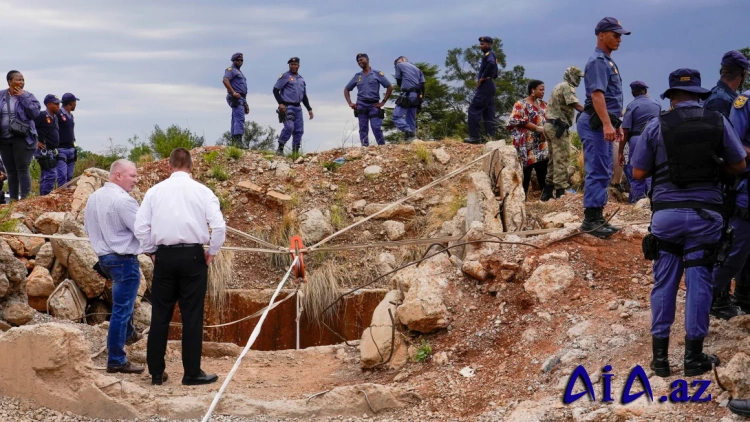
<point>229,68</point>
<point>381,73</point>
<point>487,53</point>
<point>740,101</point>
<point>281,76</point>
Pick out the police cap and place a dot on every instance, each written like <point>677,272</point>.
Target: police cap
<point>486,39</point>
<point>293,60</point>
<point>735,58</point>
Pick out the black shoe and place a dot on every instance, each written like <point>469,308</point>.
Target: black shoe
<point>280,150</point>
<point>200,379</point>
<point>697,362</point>
<point>559,193</point>
<point>740,407</point>
<point>159,379</point>
<point>472,141</point>
<point>128,368</point>
<point>295,150</point>
<point>723,307</point>
<point>136,337</point>
<point>660,361</point>
<point>600,219</point>
<point>547,192</point>
<point>591,224</point>
<point>409,136</point>
<point>237,140</point>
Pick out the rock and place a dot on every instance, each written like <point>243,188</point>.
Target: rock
<point>440,358</point>
<point>558,219</point>
<point>58,272</point>
<point>394,230</point>
<point>643,204</point>
<point>353,153</point>
<point>424,288</point>
<point>147,269</point>
<point>68,302</point>
<point>548,281</point>
<point>550,362</point>
<point>4,326</point>
<point>386,263</point>
<point>18,313</point>
<point>278,196</point>
<point>314,226</point>
<point>505,164</point>
<point>250,186</point>
<point>376,344</point>
<point>79,257</point>
<point>69,225</point>
<point>555,256</point>
<point>39,286</point>
<point>283,170</point>
<point>28,263</point>
<point>45,257</point>
<point>486,205</point>
<point>579,329</point>
<point>24,246</point>
<point>15,271</point>
<point>441,155</point>
<point>373,171</point>
<point>475,270</point>
<point>91,180</point>
<point>400,211</point>
<point>735,375</point>
<point>4,285</point>
<point>358,207</point>
<point>97,312</point>
<point>49,222</point>
<point>142,316</point>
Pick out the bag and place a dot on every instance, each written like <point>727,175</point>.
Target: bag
<point>15,126</point>
<point>46,160</point>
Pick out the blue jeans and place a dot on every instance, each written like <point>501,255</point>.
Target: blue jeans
<point>126,277</point>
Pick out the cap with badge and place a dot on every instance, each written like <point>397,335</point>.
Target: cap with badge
<point>293,60</point>
<point>51,98</point>
<point>686,80</point>
<point>360,55</point>
<point>638,85</point>
<point>735,58</point>
<point>486,39</point>
<point>610,25</point>
<point>68,97</point>
<point>236,56</point>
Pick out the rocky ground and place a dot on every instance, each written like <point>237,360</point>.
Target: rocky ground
<point>506,324</point>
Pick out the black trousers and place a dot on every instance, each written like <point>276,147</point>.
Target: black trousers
<point>180,275</point>
<point>541,174</point>
<point>17,155</point>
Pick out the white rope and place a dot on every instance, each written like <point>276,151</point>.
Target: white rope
<point>250,341</point>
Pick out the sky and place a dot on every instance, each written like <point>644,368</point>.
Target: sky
<point>137,64</point>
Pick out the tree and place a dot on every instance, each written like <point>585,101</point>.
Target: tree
<point>138,150</point>
<point>163,142</point>
<point>746,85</point>
<point>255,137</point>
<point>461,70</point>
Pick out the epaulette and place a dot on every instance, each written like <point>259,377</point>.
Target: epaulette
<point>229,68</point>
<point>740,101</point>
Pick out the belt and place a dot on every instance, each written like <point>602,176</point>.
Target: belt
<point>180,245</point>
<point>368,102</point>
<point>292,104</point>
<point>636,133</point>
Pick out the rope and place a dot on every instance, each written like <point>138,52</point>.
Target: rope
<point>253,238</point>
<point>250,341</point>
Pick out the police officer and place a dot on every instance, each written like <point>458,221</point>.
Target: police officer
<point>482,106</point>
<point>66,152</point>
<point>683,150</point>
<point>561,108</point>
<point>639,112</point>
<point>48,131</point>
<point>290,90</point>
<point>368,109</point>
<point>734,68</point>
<point>236,84</point>
<point>411,81</point>
<point>599,124</point>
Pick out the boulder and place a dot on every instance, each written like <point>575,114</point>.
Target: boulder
<point>45,257</point>
<point>735,375</point>
<point>147,269</point>
<point>68,302</point>
<point>58,272</point>
<point>358,207</point>
<point>39,286</point>
<point>14,269</point>
<point>142,316</point>
<point>79,258</point>
<point>394,230</point>
<point>373,171</point>
<point>49,222</point>
<point>504,163</point>
<point>376,343</point>
<point>250,187</point>
<point>441,155</point>
<point>424,290</point>
<point>314,226</point>
<point>548,281</point>
<point>18,313</point>
<point>386,263</point>
<point>475,270</point>
<point>69,225</point>
<point>486,204</point>
<point>4,285</point>
<point>400,211</point>
<point>91,180</point>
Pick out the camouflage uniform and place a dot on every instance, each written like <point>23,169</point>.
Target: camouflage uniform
<point>560,107</point>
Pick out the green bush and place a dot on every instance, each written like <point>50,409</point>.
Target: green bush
<point>218,173</point>
<point>234,153</point>
<point>423,352</point>
<point>163,142</point>
<point>211,157</point>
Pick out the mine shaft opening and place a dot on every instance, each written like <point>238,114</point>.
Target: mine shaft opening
<point>279,331</point>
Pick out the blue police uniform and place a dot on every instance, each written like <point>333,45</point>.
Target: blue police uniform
<point>239,84</point>
<point>368,94</point>
<point>721,99</point>
<point>66,152</point>
<point>412,82</point>
<point>48,131</point>
<point>292,92</point>
<point>638,113</point>
<point>482,107</point>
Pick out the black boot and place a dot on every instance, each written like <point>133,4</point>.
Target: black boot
<point>601,220</point>
<point>409,136</point>
<point>295,150</point>
<point>723,307</point>
<point>280,150</point>
<point>591,221</point>
<point>740,407</point>
<point>660,362</point>
<point>472,140</point>
<point>237,140</point>
<point>559,193</point>
<point>697,362</point>
<point>547,192</point>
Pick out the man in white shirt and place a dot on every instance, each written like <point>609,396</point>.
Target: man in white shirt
<point>109,219</point>
<point>173,222</point>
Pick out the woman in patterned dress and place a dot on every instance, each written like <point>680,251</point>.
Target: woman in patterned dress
<point>526,127</point>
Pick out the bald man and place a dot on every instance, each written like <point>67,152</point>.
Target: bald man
<point>110,220</point>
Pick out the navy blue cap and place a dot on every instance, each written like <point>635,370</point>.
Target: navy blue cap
<point>68,97</point>
<point>638,84</point>
<point>51,98</point>
<point>486,39</point>
<point>610,24</point>
<point>362,55</point>
<point>236,56</point>
<point>293,60</point>
<point>395,62</point>
<point>686,80</point>
<point>735,58</point>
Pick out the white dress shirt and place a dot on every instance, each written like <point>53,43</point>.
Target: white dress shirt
<point>180,210</point>
<point>109,220</point>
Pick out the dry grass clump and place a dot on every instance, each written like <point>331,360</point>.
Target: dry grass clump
<point>321,289</point>
<point>220,274</point>
<point>445,211</point>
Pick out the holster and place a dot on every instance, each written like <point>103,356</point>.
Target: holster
<point>381,113</point>
<point>650,247</point>
<point>356,112</point>
<point>235,102</point>
<point>725,244</point>
<point>282,115</point>
<point>560,126</point>
<point>46,160</point>
<point>595,123</point>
